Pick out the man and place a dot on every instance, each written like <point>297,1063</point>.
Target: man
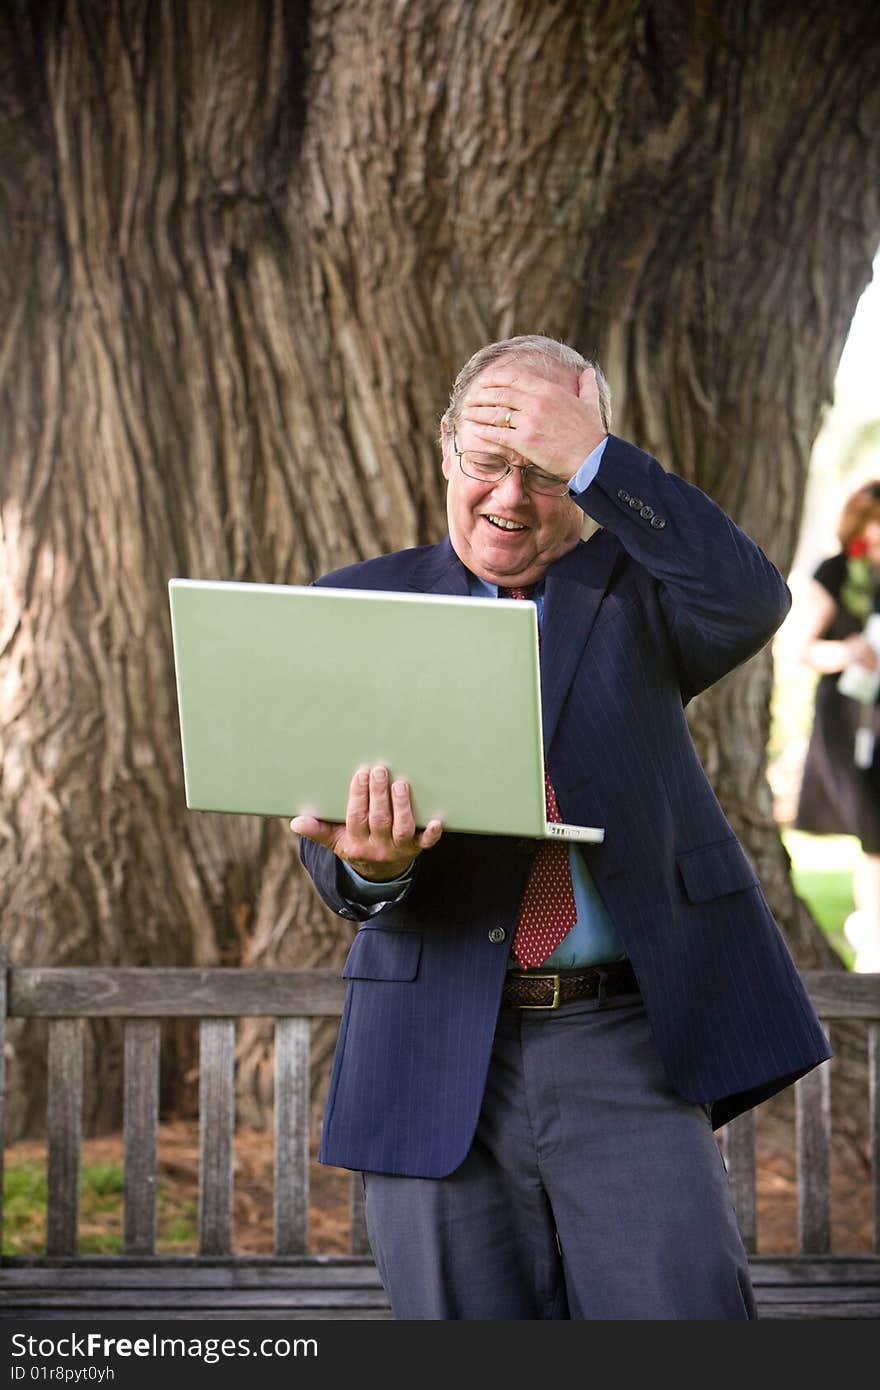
<point>538,1147</point>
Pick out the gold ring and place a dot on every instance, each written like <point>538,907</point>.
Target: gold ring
<point>507,423</point>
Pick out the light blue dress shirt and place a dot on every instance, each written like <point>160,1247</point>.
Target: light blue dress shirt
<point>593,938</point>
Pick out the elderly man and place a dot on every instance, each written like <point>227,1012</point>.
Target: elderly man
<point>538,1038</point>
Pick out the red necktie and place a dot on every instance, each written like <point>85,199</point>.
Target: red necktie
<point>548,910</point>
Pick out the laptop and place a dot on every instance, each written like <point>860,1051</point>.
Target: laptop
<point>284,691</point>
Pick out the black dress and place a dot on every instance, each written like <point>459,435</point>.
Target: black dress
<point>836,797</point>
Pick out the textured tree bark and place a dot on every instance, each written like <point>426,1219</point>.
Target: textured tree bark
<point>247,248</point>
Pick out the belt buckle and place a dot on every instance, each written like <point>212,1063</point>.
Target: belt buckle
<point>544,975</point>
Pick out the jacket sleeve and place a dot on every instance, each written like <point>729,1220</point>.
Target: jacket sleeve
<point>339,890</point>
<point>721,598</point>
<point>321,866</point>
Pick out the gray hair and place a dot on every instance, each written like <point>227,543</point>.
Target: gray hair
<point>530,345</point>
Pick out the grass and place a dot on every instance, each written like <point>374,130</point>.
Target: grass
<point>178,1158</point>
<point>100,1221</point>
<point>822,872</point>
<point>822,865</point>
<point>24,1207</point>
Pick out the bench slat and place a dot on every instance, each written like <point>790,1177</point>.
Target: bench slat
<point>163,1297</point>
<point>813,1144</point>
<point>140,1128</point>
<point>838,1271</point>
<point>158,992</point>
<point>843,994</point>
<point>84,1271</point>
<point>739,1155</point>
<point>64,1125</point>
<point>181,1271</point>
<point>292,1092</point>
<point>150,992</point>
<point>359,1242</point>
<point>145,1313</point>
<point>216,1125</point>
<point>805,1310</point>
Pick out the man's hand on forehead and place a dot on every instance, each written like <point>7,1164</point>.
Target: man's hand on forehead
<point>553,425</point>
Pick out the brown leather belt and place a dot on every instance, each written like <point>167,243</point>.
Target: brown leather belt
<point>547,989</point>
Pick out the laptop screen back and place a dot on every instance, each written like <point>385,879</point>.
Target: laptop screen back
<point>283,691</point>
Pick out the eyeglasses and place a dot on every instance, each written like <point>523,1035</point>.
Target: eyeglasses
<point>491,468</point>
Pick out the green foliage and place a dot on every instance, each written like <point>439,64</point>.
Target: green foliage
<point>822,870</point>
<point>180,1232</point>
<point>101,1211</point>
<point>100,1243</point>
<point>103,1180</point>
<point>23,1182</point>
<point>24,1207</point>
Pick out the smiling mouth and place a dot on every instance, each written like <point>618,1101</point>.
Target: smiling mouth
<point>503,523</point>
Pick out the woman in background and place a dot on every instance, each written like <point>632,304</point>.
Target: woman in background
<point>840,788</point>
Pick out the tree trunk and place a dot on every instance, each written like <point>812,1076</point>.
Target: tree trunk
<point>247,248</point>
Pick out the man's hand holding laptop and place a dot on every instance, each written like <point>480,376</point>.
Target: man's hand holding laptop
<point>379,838</point>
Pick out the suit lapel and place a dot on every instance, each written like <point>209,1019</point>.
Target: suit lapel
<point>575,587</point>
<point>440,572</point>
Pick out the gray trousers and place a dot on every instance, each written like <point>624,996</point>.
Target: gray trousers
<point>591,1190</point>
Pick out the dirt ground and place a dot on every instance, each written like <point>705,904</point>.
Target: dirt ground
<point>852,1212</point>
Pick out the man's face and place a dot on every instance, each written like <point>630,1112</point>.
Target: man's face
<point>500,531</point>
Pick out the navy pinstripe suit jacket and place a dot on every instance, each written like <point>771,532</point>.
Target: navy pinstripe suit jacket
<point>637,620</point>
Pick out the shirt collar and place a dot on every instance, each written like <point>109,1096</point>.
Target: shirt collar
<point>481,588</point>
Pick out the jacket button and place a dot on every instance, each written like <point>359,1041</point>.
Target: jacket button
<point>658,523</point>
<point>636,503</point>
<point>647,512</point>
<point>622,494</point>
<point>497,935</point>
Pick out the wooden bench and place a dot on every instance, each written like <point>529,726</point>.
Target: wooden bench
<point>291,1283</point>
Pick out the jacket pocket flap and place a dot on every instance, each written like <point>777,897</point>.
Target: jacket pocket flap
<point>380,954</point>
<point>713,870</point>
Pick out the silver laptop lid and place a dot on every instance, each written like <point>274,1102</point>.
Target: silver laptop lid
<point>284,691</point>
